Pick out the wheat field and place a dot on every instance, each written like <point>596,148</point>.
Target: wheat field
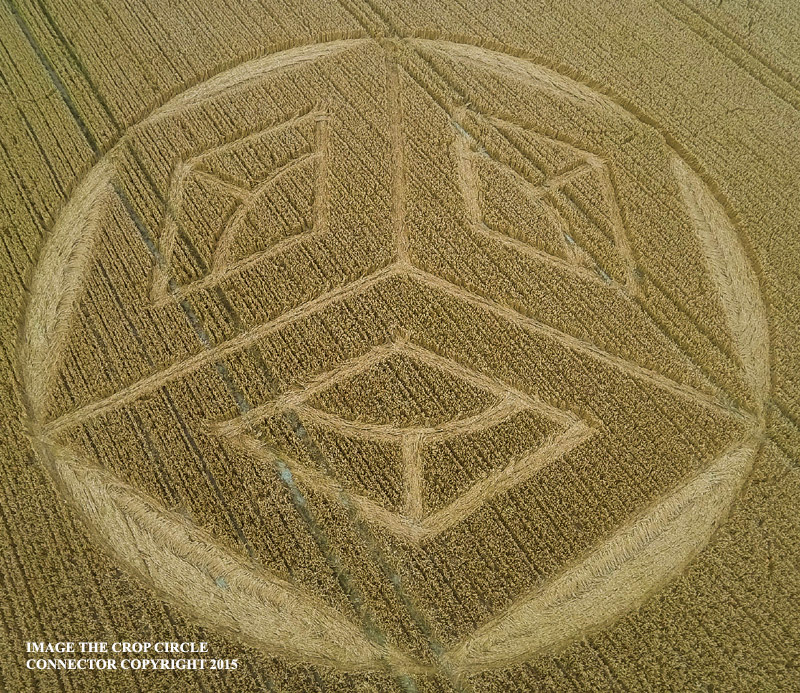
<point>402,347</point>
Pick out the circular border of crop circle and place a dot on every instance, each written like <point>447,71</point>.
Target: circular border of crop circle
<point>267,612</point>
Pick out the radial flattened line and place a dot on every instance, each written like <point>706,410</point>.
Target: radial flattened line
<point>413,476</point>
<point>616,576</point>
<point>176,557</point>
<point>215,353</point>
<point>587,348</point>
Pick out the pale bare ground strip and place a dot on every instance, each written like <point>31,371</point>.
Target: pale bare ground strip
<point>569,242</point>
<point>467,178</point>
<point>216,586</point>
<point>504,62</point>
<point>535,191</point>
<point>400,525</point>
<point>238,76</point>
<point>735,279</point>
<point>615,577</point>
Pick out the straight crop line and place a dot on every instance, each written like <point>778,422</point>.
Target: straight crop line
<point>413,477</point>
<point>507,400</point>
<point>514,317</point>
<point>213,354</point>
<point>78,63</point>
<point>331,556</point>
<point>732,48</point>
<point>379,432</point>
<point>628,250</point>
<point>224,249</point>
<point>514,475</point>
<point>394,98</point>
<point>55,79</point>
<point>221,369</point>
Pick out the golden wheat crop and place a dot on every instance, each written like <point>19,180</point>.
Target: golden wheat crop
<point>385,356</point>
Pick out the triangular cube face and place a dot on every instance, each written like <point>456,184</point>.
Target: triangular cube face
<point>278,208</point>
<point>203,208</point>
<point>546,156</point>
<point>252,159</point>
<point>419,441</point>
